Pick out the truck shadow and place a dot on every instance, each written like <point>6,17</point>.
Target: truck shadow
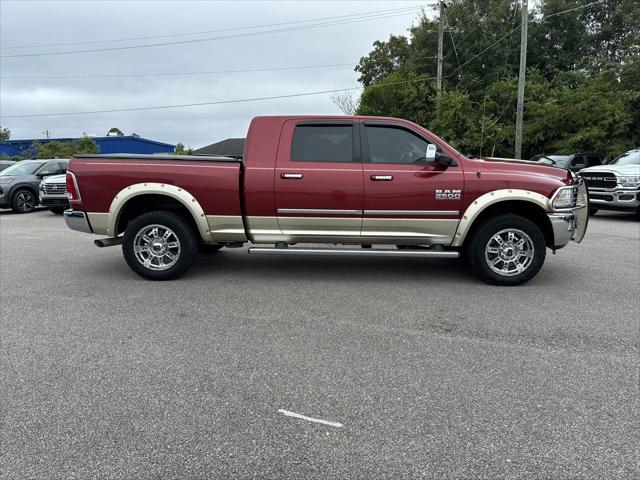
<point>343,269</point>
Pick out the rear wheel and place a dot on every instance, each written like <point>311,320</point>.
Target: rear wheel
<point>24,201</point>
<point>159,245</point>
<point>507,250</point>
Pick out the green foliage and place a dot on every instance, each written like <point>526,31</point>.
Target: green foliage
<point>56,149</point>
<point>181,150</point>
<point>583,77</point>
<point>115,131</point>
<point>5,134</point>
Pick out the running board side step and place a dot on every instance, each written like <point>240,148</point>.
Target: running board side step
<point>368,252</point>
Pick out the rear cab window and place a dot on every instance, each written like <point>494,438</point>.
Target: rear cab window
<point>322,143</point>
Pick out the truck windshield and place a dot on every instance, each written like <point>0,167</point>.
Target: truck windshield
<point>628,158</point>
<point>22,168</point>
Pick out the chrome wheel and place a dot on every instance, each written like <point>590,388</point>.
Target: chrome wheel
<point>509,252</point>
<point>25,201</point>
<point>156,247</point>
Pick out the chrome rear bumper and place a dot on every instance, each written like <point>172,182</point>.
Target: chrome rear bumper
<point>77,220</point>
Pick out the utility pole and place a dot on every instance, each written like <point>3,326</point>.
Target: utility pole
<point>521,77</point>
<point>440,40</point>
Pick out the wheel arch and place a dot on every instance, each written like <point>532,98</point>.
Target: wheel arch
<point>530,205</point>
<point>25,186</point>
<point>141,197</point>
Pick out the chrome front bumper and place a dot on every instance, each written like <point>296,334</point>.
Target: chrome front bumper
<point>571,224</point>
<point>619,198</point>
<point>77,220</point>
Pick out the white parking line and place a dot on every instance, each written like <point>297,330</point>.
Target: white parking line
<point>310,419</point>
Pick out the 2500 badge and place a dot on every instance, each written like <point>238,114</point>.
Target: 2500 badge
<point>448,195</point>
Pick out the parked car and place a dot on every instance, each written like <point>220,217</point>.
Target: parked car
<point>6,164</point>
<point>19,183</point>
<point>573,162</point>
<point>615,186</point>
<point>53,193</point>
<point>342,180</point>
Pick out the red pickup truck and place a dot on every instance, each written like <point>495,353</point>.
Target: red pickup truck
<point>350,182</point>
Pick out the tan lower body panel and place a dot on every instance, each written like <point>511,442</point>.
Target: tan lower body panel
<point>352,230</point>
<point>428,230</point>
<point>326,226</point>
<point>99,222</point>
<point>226,228</point>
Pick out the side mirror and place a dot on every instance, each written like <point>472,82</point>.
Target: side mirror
<point>444,161</point>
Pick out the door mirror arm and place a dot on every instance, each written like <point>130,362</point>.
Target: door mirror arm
<point>444,161</point>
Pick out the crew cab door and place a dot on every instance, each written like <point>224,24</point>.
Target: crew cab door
<point>406,197</point>
<point>318,181</point>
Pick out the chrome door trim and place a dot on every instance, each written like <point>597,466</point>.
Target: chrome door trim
<point>291,176</point>
<point>411,212</point>
<point>382,178</point>
<point>319,211</point>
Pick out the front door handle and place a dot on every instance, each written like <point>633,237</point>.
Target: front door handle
<point>291,176</point>
<point>382,178</point>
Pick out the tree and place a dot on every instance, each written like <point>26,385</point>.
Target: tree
<point>115,131</point>
<point>181,150</point>
<point>5,134</point>
<point>57,149</point>
<point>346,102</point>
<point>583,77</point>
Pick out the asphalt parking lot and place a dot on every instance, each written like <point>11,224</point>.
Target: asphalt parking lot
<point>430,372</point>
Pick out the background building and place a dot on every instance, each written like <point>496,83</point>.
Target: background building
<point>231,146</point>
<point>111,144</point>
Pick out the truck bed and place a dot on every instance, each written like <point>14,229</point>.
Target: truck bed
<point>212,183</point>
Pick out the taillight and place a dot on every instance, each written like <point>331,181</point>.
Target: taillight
<point>72,186</point>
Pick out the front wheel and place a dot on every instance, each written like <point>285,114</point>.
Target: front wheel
<point>507,250</point>
<point>159,245</point>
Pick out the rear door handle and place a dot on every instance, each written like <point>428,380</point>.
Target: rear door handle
<point>382,178</point>
<point>291,176</point>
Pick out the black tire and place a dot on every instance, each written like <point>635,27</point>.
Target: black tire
<point>57,210</point>
<point>479,255</point>
<point>185,253</point>
<point>23,201</point>
<point>209,249</point>
<point>593,211</point>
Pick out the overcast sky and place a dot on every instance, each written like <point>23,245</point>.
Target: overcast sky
<point>56,23</point>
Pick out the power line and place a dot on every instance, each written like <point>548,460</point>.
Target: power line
<point>168,74</point>
<point>223,37</point>
<point>203,32</point>
<point>276,97</point>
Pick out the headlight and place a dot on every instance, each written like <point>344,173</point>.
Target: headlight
<point>563,198</point>
<point>629,181</point>
<point>7,181</point>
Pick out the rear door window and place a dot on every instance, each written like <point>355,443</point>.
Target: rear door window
<point>322,143</point>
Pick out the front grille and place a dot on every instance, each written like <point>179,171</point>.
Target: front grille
<point>54,188</point>
<point>599,180</point>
